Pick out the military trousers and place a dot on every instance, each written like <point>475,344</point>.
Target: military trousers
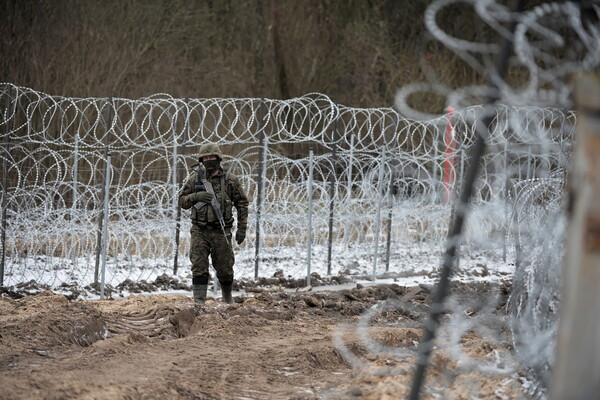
<point>211,242</point>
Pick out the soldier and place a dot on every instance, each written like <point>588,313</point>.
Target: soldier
<point>209,236</point>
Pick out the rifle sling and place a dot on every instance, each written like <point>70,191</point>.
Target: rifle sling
<point>201,180</point>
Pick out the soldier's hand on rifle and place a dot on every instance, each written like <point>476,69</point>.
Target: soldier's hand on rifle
<point>203,197</point>
<point>240,234</point>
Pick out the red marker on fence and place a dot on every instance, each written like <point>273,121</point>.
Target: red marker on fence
<point>449,152</point>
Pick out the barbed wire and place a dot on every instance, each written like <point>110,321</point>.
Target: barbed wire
<point>551,42</point>
<point>58,149</point>
<point>55,149</point>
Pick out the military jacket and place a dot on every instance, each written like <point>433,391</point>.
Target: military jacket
<point>233,196</point>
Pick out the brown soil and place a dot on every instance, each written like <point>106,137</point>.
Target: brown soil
<point>271,346</point>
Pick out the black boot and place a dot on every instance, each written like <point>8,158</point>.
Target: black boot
<point>226,290</point>
<point>200,293</point>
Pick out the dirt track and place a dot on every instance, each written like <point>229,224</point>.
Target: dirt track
<point>273,346</point>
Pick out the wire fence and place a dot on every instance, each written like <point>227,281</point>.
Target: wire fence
<point>379,179</point>
<point>379,185</point>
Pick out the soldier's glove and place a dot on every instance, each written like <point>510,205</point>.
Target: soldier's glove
<point>240,235</point>
<point>203,197</point>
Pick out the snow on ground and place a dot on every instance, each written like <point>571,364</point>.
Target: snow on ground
<point>410,264</point>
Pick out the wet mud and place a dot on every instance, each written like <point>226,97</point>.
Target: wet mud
<point>356,343</point>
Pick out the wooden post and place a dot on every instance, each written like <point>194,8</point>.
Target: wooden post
<point>577,369</point>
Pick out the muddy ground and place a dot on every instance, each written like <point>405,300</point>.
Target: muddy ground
<point>268,345</point>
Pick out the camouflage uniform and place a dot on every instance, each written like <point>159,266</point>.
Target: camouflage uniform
<point>207,238</point>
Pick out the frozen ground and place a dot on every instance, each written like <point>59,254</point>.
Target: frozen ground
<point>410,264</point>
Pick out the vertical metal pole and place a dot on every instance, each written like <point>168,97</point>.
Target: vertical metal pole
<point>175,186</point>
<point>105,222</point>
<point>528,162</point>
<point>332,179</point>
<point>379,203</point>
<point>458,183</point>
<point>347,222</point>
<point>434,184</point>
<point>350,161</point>
<point>462,170</point>
<point>309,190</point>
<point>174,174</point>
<point>388,246</point>
<point>5,181</point>
<point>264,163</point>
<point>260,182</point>
<point>186,128</point>
<point>107,125</point>
<point>75,199</point>
<point>75,173</point>
<point>506,209</point>
<point>449,159</point>
<point>392,192</point>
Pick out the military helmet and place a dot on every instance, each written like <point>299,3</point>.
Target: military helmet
<point>209,149</point>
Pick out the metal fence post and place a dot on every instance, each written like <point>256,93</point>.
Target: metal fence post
<point>107,127</point>
<point>462,172</point>
<point>392,192</point>
<point>309,190</point>
<point>449,184</point>
<point>350,161</point>
<point>174,177</point>
<point>506,207</point>
<point>75,193</point>
<point>379,203</point>
<point>180,170</point>
<point>388,246</point>
<point>332,179</point>
<point>348,199</point>
<point>457,204</point>
<point>75,173</point>
<point>105,222</point>
<point>434,184</point>
<point>5,181</point>
<point>528,162</point>
<point>260,182</point>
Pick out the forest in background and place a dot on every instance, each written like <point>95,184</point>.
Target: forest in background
<point>358,52</point>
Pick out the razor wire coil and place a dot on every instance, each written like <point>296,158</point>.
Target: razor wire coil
<point>58,147</point>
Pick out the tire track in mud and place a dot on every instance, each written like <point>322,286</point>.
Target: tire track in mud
<point>151,323</point>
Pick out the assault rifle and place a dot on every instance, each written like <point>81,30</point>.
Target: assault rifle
<point>214,202</point>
